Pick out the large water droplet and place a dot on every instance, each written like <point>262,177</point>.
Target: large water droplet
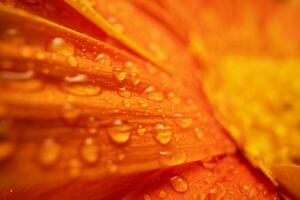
<point>60,46</point>
<point>179,184</point>
<point>167,158</point>
<point>119,74</point>
<point>90,151</point>
<point>81,89</point>
<point>152,94</point>
<point>49,152</point>
<point>163,133</point>
<point>120,132</point>
<point>6,149</point>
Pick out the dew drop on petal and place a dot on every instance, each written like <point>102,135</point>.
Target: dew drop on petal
<point>9,75</point>
<point>60,46</point>
<point>120,132</point>
<point>134,78</point>
<point>6,150</point>
<point>163,133</point>
<point>119,74</point>
<point>80,78</point>
<point>90,151</point>
<point>183,122</point>
<point>103,60</point>
<point>81,89</point>
<point>49,152</point>
<point>152,94</point>
<point>167,158</point>
<point>179,184</point>
<point>123,92</point>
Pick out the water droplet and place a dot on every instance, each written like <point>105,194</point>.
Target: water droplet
<point>119,74</point>
<point>126,103</point>
<point>72,61</point>
<point>198,133</point>
<point>49,152</point>
<point>183,122</point>
<point>152,94</point>
<point>172,158</point>
<point>6,150</point>
<point>70,113</point>
<point>81,89</point>
<point>141,130</point>
<point>13,36</point>
<point>120,132</point>
<point>123,92</point>
<point>179,184</point>
<point>162,194</point>
<point>74,168</point>
<point>9,75</point>
<point>134,78</point>
<point>90,151</point>
<point>173,98</point>
<point>60,46</point>
<point>80,78</point>
<point>163,133</point>
<point>103,60</point>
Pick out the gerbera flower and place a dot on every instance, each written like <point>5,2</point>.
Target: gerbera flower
<point>135,99</point>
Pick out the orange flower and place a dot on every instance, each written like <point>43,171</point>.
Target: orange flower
<point>104,99</point>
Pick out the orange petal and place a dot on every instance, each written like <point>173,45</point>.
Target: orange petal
<point>225,178</point>
<point>89,115</point>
